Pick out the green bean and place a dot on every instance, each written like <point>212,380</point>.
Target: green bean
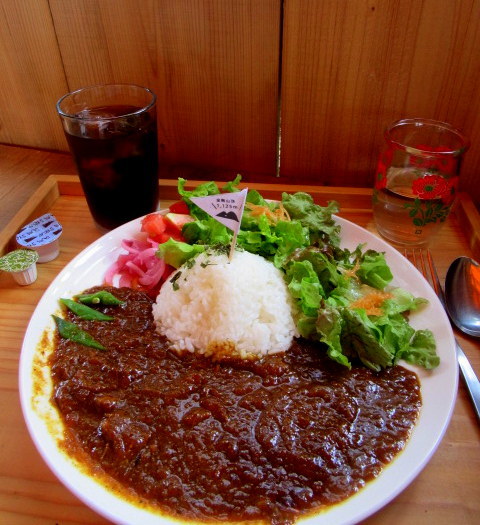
<point>101,297</point>
<point>71,331</point>
<point>85,312</point>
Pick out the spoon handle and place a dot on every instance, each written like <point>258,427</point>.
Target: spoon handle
<point>471,380</point>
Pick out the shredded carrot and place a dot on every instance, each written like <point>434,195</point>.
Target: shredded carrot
<point>353,271</point>
<point>279,214</point>
<point>372,302</point>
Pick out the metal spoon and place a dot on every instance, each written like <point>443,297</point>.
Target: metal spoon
<point>462,295</point>
<point>462,300</point>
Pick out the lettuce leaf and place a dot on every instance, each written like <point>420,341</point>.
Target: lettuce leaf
<point>324,266</point>
<point>176,253</point>
<point>361,338</point>
<point>203,190</point>
<point>374,270</point>
<point>232,187</point>
<point>330,328</point>
<point>402,301</point>
<point>319,220</point>
<point>305,287</point>
<point>324,288</point>
<point>421,350</point>
<point>207,231</point>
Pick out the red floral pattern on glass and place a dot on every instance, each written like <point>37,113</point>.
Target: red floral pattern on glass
<point>431,187</point>
<point>428,190</point>
<point>446,163</point>
<point>382,166</point>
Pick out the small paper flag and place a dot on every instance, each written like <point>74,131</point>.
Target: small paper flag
<point>226,208</point>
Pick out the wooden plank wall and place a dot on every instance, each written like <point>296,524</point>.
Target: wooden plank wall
<point>344,69</point>
<point>350,68</point>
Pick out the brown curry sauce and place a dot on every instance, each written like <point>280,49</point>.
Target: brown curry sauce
<point>268,439</point>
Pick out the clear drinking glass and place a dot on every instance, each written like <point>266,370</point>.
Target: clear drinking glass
<point>112,133</point>
<point>416,179</point>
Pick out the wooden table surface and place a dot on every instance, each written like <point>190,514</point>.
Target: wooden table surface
<point>447,490</point>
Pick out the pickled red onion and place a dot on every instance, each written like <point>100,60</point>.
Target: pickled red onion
<point>139,267</point>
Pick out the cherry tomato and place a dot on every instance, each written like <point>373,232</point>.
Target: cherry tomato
<point>179,207</point>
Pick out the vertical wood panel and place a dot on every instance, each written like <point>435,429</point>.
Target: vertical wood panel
<point>213,64</point>
<point>31,75</point>
<point>351,67</point>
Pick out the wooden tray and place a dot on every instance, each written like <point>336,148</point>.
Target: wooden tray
<point>63,196</point>
<point>29,493</point>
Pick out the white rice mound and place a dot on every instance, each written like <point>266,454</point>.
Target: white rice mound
<point>217,307</point>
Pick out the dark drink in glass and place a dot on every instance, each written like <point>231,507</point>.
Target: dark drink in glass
<point>112,134</point>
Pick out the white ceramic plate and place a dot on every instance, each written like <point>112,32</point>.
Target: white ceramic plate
<point>438,387</point>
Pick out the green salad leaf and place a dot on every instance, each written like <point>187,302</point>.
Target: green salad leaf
<point>362,338</point>
<point>175,253</point>
<point>421,350</point>
<point>374,269</point>
<point>319,220</point>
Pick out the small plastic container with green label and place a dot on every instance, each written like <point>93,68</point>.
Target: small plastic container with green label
<point>22,264</point>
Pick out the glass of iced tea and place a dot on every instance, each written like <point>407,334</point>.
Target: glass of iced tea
<point>416,179</point>
<point>112,134</point>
